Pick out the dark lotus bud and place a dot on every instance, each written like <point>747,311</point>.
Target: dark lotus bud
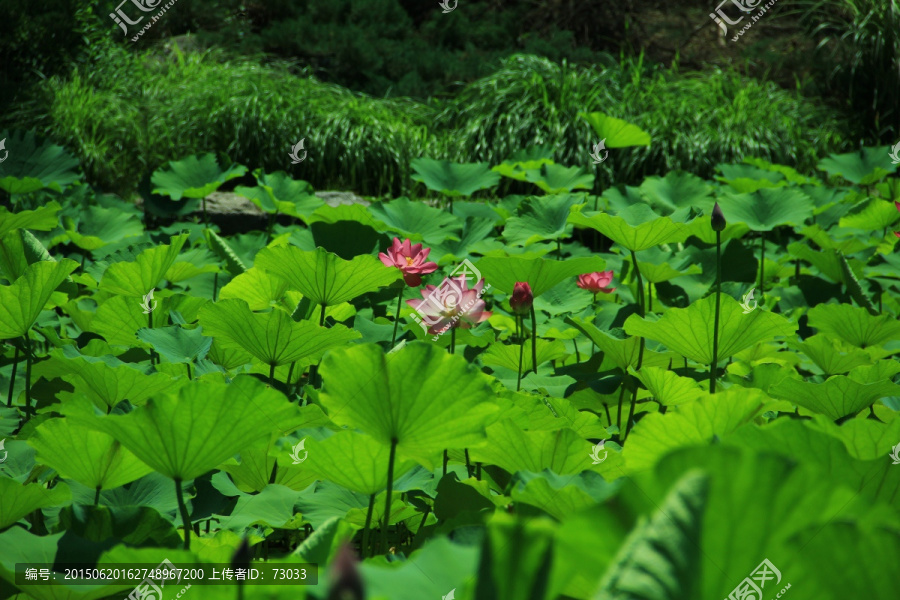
<point>242,556</point>
<point>717,219</point>
<point>521,298</point>
<point>346,582</point>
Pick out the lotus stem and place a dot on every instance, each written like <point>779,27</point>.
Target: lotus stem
<point>478,471</point>
<point>272,375</point>
<point>185,518</point>
<point>27,348</point>
<point>290,373</point>
<point>215,285</point>
<point>446,460</point>
<point>533,340</point>
<point>188,365</point>
<point>520,326</point>
<point>97,495</point>
<point>150,326</point>
<point>364,550</point>
<point>621,397</point>
<point>468,462</point>
<point>390,489</point>
<point>397,317</point>
<point>577,354</point>
<point>640,360</point>
<point>12,380</point>
<point>715,357</point>
<point>322,317</point>
<point>762,260</point>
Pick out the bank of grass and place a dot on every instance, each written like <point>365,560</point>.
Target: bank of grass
<point>128,114</point>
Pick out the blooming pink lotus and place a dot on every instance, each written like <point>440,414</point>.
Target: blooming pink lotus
<point>451,305</point>
<point>409,259</point>
<point>596,282</point>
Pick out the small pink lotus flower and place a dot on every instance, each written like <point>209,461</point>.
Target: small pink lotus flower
<point>410,260</point>
<point>451,305</point>
<point>596,282</point>
<point>522,298</point>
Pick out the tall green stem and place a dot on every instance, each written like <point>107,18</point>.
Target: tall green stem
<point>390,489</point>
<point>533,340</point>
<point>97,495</point>
<point>762,261</point>
<point>397,317</point>
<point>715,358</point>
<point>150,326</point>
<point>12,379</point>
<point>185,518</point>
<point>641,311</point>
<point>272,375</point>
<point>520,326</point>
<point>364,551</point>
<point>27,347</point>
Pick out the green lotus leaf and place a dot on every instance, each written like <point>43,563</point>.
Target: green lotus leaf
<point>871,216</point>
<point>136,279</point>
<point>828,263</point>
<point>838,397</point>
<point>273,506</point>
<point>454,179</point>
<point>220,247</point>
<point>691,424</point>
<point>97,227</point>
<point>509,447</point>
<point>560,496</point>
<point>34,164</point>
<point>517,569</point>
<point>416,221</point>
<point>177,344</point>
<point>503,272</point>
<point>132,525</point>
<point>616,132</point>
<point>768,208</point>
<point>40,219</point>
<point>668,388</point>
<point>564,297</point>
<point>273,338</point>
<point>830,354</point>
<point>279,193</point>
<point>187,434</point>
<point>661,558</point>
<point>323,277</point>
<point>23,301</point>
<point>635,228</point>
<point>864,439</point>
<point>862,168</point>
<point>193,177</point>
<point>882,370</point>
<point>119,318</point>
<point>507,355</point>
<point>853,325</point>
<point>557,179</point>
<point>541,218</point>
<point>853,286</point>
<point>622,351</point>
<point>677,190</point>
<point>790,174</point>
<point>420,397</point>
<point>93,459</point>
<point>257,288</point>
<point>17,500</point>
<point>18,249</point>
<point>689,331</point>
<point>355,461</point>
<point>474,230</point>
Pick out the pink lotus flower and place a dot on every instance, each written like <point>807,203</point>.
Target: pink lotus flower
<point>451,305</point>
<point>596,282</point>
<point>410,260</point>
<point>522,298</point>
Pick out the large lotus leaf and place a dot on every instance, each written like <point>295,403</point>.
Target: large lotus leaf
<point>177,344</point>
<point>420,397</point>
<point>454,179</point>
<point>689,331</point>
<point>657,273</point>
<point>257,288</point>
<point>560,496</point>
<point>273,506</point>
<point>853,286</point>
<point>119,318</point>
<point>187,434</point>
<point>220,247</point>
<point>622,351</point>
<point>563,298</point>
<point>838,397</point>
<point>23,301</point>
<point>854,325</point>
<point>273,338</point>
<point>516,555</point>
<point>30,167</point>
<point>416,221</point>
<point>98,226</point>
<point>677,190</point>
<point>790,174</point>
<point>616,132</point>
<point>831,354</point>
<point>193,177</point>
<point>661,558</point>
<point>18,249</point>
<point>634,228</point>
<point>507,355</point>
<point>541,218</point>
<point>503,272</point>
<point>278,193</point>
<point>355,461</point>
<point>768,208</point>
<point>509,447</point>
<point>668,388</point>
<point>871,216</point>
<point>865,439</point>
<point>93,459</point>
<point>40,219</point>
<point>556,179</point>
<point>862,168</point>
<point>106,382</point>
<point>17,500</point>
<point>323,277</point>
<point>691,424</point>
<point>475,230</point>
<point>136,279</point>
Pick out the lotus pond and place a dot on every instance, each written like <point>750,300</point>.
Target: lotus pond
<point>680,390</point>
